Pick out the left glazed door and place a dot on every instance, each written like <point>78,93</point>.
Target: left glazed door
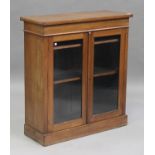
<point>67,81</point>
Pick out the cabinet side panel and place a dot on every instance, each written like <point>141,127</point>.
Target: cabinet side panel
<point>36,49</point>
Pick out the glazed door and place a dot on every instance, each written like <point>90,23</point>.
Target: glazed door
<point>106,75</point>
<point>68,81</point>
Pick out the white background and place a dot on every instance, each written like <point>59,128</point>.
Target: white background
<point>126,140</point>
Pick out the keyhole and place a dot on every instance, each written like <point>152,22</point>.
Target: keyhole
<point>55,44</point>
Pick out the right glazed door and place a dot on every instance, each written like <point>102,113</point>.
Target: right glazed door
<point>106,55</point>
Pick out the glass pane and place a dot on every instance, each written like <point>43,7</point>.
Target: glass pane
<point>106,65</point>
<point>67,101</point>
<point>67,80</point>
<point>105,94</point>
<point>68,61</point>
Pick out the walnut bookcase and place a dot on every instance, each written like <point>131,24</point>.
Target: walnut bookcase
<point>75,74</point>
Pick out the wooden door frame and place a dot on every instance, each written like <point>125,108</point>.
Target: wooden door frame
<point>76,122</point>
<point>123,32</point>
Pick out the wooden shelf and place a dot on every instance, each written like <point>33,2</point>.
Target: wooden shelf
<point>105,73</point>
<point>67,46</point>
<point>80,45</point>
<point>67,80</point>
<point>66,74</point>
<point>106,41</point>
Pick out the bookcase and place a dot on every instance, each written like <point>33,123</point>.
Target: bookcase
<point>75,74</point>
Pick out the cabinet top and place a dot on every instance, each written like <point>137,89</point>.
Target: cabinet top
<point>76,17</point>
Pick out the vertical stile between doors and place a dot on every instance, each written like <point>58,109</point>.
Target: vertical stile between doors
<point>90,76</point>
<point>85,77</point>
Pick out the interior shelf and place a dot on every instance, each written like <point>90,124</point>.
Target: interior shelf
<point>106,41</point>
<point>105,73</point>
<point>80,45</point>
<point>67,46</point>
<point>66,74</point>
<point>98,73</point>
<point>67,80</point>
